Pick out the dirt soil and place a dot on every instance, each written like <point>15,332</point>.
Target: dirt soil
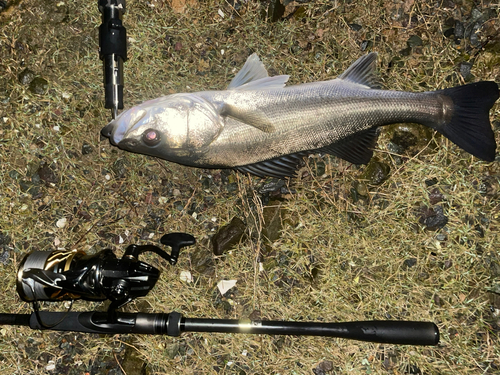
<point>413,236</point>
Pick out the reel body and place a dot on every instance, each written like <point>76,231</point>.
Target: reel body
<point>71,275</point>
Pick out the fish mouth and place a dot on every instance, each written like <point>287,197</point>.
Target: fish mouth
<point>107,131</point>
<point>126,122</point>
<point>128,144</point>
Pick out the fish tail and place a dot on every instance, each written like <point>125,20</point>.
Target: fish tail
<point>469,126</point>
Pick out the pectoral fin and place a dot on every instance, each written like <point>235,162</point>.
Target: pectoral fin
<point>253,117</point>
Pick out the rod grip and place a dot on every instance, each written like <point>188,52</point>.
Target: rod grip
<point>396,332</point>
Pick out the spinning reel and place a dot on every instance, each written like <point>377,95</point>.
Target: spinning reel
<point>71,275</point>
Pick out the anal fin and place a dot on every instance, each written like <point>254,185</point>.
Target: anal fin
<point>357,149</point>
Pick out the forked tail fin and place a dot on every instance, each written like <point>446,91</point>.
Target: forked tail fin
<point>469,127</point>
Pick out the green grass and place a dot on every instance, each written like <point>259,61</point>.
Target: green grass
<point>337,259</point>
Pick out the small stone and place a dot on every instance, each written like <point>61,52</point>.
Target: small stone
<point>172,350</point>
<point>228,236</point>
<point>66,96</point>
<point>474,36</point>
<point>186,276</point>
<point>366,44</point>
<point>119,168</point>
<point>465,71</point>
<point>271,186</point>
<point>4,239</point>
<point>408,263</point>
<point>61,223</point>
<point>202,261</point>
<point>433,218</point>
<point>26,76</point>
<point>414,41</point>
<point>355,26</point>
<point>39,86</point>
<point>432,181</point>
<point>272,221</point>
<point>47,174</point>
<point>405,52</point>
<point>4,256</point>
<point>435,196</point>
<point>376,172</point>
<point>87,149</point>
<point>326,366</point>
<point>476,14</point>
<point>404,136</point>
<point>362,189</point>
<point>274,12</point>
<point>133,364</point>
<point>459,30</point>
<point>441,237</point>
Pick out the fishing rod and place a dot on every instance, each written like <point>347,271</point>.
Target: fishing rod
<point>63,275</point>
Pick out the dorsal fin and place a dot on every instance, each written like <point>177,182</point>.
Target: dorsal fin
<point>254,76</point>
<point>363,72</point>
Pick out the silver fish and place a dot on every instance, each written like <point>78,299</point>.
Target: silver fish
<point>259,126</point>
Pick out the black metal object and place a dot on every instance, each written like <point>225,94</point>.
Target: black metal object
<point>173,324</point>
<point>70,275</point>
<point>113,52</point>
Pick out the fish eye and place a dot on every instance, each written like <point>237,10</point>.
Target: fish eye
<point>151,137</point>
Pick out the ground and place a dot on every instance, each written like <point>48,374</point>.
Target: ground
<point>413,236</point>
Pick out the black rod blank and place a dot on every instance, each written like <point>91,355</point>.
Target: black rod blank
<point>173,324</point>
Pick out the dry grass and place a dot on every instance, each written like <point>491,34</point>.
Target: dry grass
<point>336,260</point>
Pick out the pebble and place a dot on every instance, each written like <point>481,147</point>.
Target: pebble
<point>26,76</point>
<point>39,86</point>
<point>376,172</point>
<point>433,218</point>
<point>465,71</point>
<point>435,196</point>
<point>272,221</point>
<point>228,236</point>
<point>47,174</point>
<point>202,261</point>
<point>61,223</point>
<point>355,26</point>
<point>87,149</point>
<point>366,44</point>
<point>274,10</point>
<point>431,182</point>
<point>410,262</point>
<point>414,41</point>
<point>459,30</point>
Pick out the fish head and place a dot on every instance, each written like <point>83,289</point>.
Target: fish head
<point>167,127</point>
